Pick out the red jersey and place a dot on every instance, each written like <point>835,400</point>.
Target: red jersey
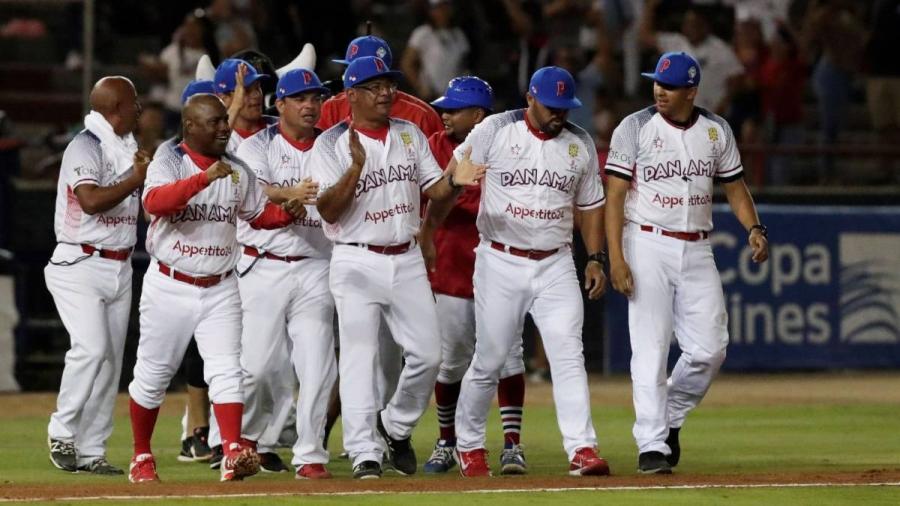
<point>457,237</point>
<point>406,106</point>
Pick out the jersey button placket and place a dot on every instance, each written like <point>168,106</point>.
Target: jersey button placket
<point>686,192</point>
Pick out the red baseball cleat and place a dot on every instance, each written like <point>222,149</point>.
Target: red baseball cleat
<point>312,472</point>
<point>473,463</point>
<point>587,463</point>
<point>142,469</point>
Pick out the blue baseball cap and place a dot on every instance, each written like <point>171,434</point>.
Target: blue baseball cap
<point>677,69</point>
<point>368,45</point>
<point>367,68</point>
<point>466,91</point>
<point>197,87</point>
<point>554,87</point>
<point>298,81</point>
<point>225,81</point>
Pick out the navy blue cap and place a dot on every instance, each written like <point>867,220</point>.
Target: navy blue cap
<point>298,81</point>
<point>225,81</point>
<point>197,87</point>
<point>677,69</point>
<point>368,45</point>
<point>367,68</point>
<point>554,87</point>
<point>466,91</point>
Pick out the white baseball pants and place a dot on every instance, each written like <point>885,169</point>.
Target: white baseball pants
<point>506,288</point>
<point>676,287</point>
<point>171,312</point>
<point>456,318</point>
<point>93,298</point>
<point>288,312</point>
<point>367,285</point>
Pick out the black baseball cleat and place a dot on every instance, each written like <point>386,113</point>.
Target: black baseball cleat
<point>653,463</point>
<point>217,455</point>
<point>367,470</point>
<point>400,452</point>
<point>270,462</point>
<point>100,466</point>
<point>674,445</point>
<point>62,454</point>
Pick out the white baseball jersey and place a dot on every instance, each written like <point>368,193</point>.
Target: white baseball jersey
<point>672,169</point>
<point>234,142</point>
<point>531,183</point>
<point>385,209</point>
<point>201,238</point>
<point>278,162</point>
<point>83,163</point>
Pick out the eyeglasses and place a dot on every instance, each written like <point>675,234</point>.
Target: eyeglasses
<point>376,89</point>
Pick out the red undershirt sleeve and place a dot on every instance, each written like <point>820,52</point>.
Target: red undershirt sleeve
<point>273,216</point>
<point>171,198</point>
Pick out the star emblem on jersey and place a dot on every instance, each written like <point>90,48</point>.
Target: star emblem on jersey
<point>657,143</point>
<point>713,134</point>
<point>516,149</point>
<point>573,150</point>
<point>285,159</point>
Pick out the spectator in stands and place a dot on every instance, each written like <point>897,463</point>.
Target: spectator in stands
<point>175,66</point>
<point>833,30</point>
<point>883,80</point>
<point>151,127</point>
<point>233,30</point>
<point>782,82</point>
<point>721,69</point>
<point>751,50</point>
<point>436,52</point>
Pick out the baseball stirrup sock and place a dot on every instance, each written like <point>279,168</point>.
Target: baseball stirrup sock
<point>143,421</point>
<point>445,396</point>
<point>511,397</point>
<point>229,417</point>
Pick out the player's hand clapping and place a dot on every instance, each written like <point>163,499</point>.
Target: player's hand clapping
<point>468,173</point>
<point>142,159</point>
<point>296,208</point>
<point>306,192</point>
<point>620,274</point>
<point>218,170</point>
<point>357,152</point>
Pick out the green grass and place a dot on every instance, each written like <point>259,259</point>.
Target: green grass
<point>718,440</point>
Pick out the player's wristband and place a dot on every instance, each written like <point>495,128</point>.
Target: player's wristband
<point>599,257</point>
<point>452,182</point>
<point>762,229</point>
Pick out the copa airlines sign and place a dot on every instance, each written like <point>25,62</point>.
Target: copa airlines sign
<point>829,296</point>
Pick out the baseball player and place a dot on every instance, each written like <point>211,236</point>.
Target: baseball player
<point>541,167</point>
<point>373,169</point>
<point>467,101</point>
<point>196,193</point>
<point>663,161</point>
<point>407,107</point>
<point>404,105</point>
<point>89,274</point>
<point>283,280</point>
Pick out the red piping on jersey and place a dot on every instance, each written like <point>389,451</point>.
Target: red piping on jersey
<point>202,161</point>
<point>534,131</point>
<point>302,145</point>
<point>247,133</point>
<point>379,134</point>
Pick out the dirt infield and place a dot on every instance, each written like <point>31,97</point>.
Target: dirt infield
<point>450,484</point>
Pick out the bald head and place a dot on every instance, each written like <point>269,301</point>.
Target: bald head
<point>204,121</point>
<point>116,99</point>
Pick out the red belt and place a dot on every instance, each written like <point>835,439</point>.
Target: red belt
<point>112,254</point>
<point>394,249</point>
<point>253,252</point>
<point>202,281</point>
<point>684,236</point>
<point>532,254</point>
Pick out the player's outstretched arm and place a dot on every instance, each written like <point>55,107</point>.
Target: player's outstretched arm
<point>95,199</point>
<point>742,205</point>
<point>593,234</point>
<point>619,271</point>
<point>458,174</point>
<point>336,199</point>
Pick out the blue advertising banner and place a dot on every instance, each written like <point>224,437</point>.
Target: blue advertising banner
<point>828,298</point>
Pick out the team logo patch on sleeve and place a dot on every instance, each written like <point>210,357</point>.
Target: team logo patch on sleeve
<point>573,150</point>
<point>406,138</point>
<point>713,134</point>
